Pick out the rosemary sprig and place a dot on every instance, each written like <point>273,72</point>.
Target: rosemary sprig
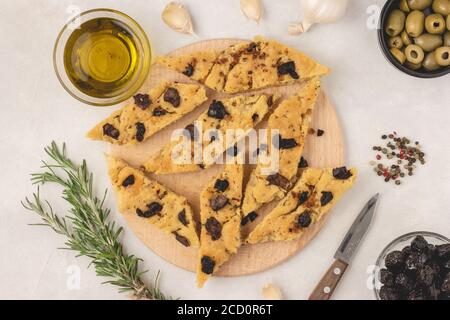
<point>87,227</point>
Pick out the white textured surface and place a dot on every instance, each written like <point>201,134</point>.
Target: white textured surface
<point>371,97</point>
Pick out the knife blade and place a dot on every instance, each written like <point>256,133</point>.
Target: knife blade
<point>357,231</point>
<point>346,250</point>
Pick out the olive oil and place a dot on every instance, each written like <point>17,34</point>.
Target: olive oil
<point>101,56</point>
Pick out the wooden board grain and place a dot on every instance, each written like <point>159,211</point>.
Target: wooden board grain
<point>325,151</point>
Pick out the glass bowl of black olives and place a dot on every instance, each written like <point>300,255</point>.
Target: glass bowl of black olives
<point>415,266</point>
<point>414,36</point>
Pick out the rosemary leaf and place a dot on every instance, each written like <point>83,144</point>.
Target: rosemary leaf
<point>86,227</point>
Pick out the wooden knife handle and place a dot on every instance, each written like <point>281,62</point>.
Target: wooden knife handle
<point>329,282</point>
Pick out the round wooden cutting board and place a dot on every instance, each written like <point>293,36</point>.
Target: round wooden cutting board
<point>325,151</point>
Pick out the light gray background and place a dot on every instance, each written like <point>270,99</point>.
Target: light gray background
<point>371,97</point>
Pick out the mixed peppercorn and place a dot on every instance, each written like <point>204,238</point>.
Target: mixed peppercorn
<point>402,157</point>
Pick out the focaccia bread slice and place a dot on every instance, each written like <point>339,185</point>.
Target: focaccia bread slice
<point>149,113</point>
<point>317,191</point>
<point>241,113</point>
<point>260,64</point>
<point>195,66</point>
<point>292,119</point>
<point>221,220</point>
<point>155,204</point>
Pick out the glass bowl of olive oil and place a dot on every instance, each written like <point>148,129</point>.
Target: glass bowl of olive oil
<point>102,57</point>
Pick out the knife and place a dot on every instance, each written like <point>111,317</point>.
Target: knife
<point>347,248</point>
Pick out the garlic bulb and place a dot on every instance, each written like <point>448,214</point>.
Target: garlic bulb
<point>318,11</point>
<point>177,17</point>
<point>252,9</point>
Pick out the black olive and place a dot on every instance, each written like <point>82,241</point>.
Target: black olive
<point>280,143</point>
<point>278,180</point>
<point>304,220</point>
<point>320,132</point>
<point>183,240</point>
<point>140,131</point>
<point>111,131</point>
<point>303,163</point>
<point>143,101</point>
<point>341,173</point>
<point>386,277</point>
<point>182,217</point>
<point>288,68</point>
<point>217,110</point>
<point>303,197</point>
<point>387,293</point>
<point>128,181</point>
<point>221,185</point>
<point>233,151</point>
<point>207,265</point>
<point>425,276</point>
<point>218,202</point>
<point>214,228</point>
<point>445,287</point>
<point>415,261</point>
<point>153,209</point>
<point>326,198</point>
<point>249,218</point>
<point>395,260</point>
<point>416,295</point>
<point>419,244</point>
<point>189,71</point>
<point>192,132</point>
<point>403,282</point>
<point>173,97</point>
<point>158,112</point>
<point>443,250</point>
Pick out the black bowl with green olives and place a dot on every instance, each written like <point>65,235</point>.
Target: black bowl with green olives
<point>414,36</point>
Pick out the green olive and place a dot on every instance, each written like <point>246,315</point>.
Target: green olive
<point>419,4</point>
<point>447,39</point>
<point>395,42</point>
<point>415,23</point>
<point>405,38</point>
<point>404,6</point>
<point>442,56</point>
<point>429,63</point>
<point>414,53</point>
<point>395,23</point>
<point>429,42</point>
<point>413,66</point>
<point>435,23</point>
<point>441,6</point>
<point>398,55</point>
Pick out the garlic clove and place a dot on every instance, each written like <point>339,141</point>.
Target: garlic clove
<point>271,291</point>
<point>252,9</point>
<point>295,28</point>
<point>177,17</point>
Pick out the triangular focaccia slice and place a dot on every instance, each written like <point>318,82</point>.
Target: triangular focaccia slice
<point>149,113</point>
<point>260,64</point>
<point>315,194</point>
<point>154,203</point>
<point>221,220</point>
<point>195,66</point>
<point>292,119</point>
<point>241,113</point>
